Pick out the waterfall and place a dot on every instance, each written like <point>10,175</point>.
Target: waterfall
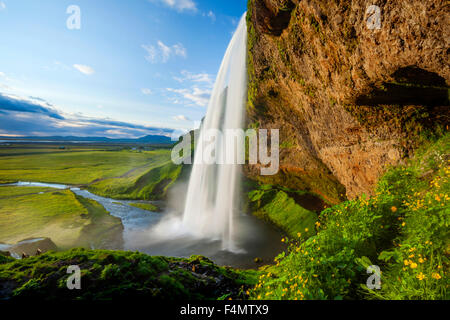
<point>213,192</point>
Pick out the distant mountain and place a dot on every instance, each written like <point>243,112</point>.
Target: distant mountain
<point>150,139</point>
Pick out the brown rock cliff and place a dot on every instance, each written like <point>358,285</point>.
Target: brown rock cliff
<point>348,100</point>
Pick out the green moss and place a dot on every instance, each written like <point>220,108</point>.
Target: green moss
<point>107,275</point>
<point>146,206</point>
<point>314,24</point>
<point>288,144</point>
<point>4,258</point>
<point>281,210</point>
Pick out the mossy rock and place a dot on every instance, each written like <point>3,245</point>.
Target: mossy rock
<point>107,275</point>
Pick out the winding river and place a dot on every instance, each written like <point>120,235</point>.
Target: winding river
<point>146,232</point>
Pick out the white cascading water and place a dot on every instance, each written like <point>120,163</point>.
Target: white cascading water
<point>212,197</point>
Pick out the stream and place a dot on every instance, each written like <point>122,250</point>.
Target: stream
<point>147,232</point>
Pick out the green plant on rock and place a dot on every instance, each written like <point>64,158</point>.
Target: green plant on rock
<point>404,229</point>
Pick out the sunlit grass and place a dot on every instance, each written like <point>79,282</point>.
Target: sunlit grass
<point>77,167</point>
<point>60,215</point>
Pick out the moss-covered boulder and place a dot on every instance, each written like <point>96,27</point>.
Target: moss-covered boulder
<point>109,275</point>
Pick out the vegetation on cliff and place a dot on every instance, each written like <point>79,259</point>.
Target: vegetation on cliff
<point>150,185</point>
<point>277,207</point>
<point>107,275</point>
<point>404,229</point>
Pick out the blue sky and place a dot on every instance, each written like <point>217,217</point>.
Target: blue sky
<point>133,67</point>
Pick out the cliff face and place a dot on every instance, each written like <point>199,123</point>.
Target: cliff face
<point>348,100</point>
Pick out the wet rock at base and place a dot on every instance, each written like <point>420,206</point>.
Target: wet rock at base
<point>31,247</point>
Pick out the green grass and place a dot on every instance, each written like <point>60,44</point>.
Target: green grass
<point>78,167</point>
<point>404,230</point>
<point>110,173</point>
<point>107,275</point>
<point>8,191</point>
<point>278,208</point>
<point>152,185</point>
<point>145,206</point>
<point>60,215</point>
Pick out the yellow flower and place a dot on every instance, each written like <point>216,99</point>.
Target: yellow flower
<point>403,224</point>
<point>421,276</point>
<point>394,209</point>
<point>282,240</point>
<point>299,235</point>
<point>306,229</point>
<point>436,276</point>
<point>413,265</point>
<point>406,262</point>
<point>421,260</point>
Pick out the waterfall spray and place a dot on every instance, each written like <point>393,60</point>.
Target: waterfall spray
<point>213,191</point>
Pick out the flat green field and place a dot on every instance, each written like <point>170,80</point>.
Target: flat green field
<point>78,167</point>
<point>115,172</point>
<point>69,220</point>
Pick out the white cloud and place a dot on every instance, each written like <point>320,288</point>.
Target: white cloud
<point>203,77</point>
<point>151,53</point>
<point>163,52</point>
<point>210,15</point>
<point>6,78</point>
<point>196,91</point>
<point>84,69</point>
<point>181,118</point>
<point>198,96</point>
<point>146,91</point>
<point>2,5</point>
<point>179,5</point>
<point>180,50</point>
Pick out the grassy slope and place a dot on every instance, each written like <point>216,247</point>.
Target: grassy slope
<point>60,215</point>
<point>114,274</point>
<point>150,185</point>
<point>404,229</point>
<point>278,208</point>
